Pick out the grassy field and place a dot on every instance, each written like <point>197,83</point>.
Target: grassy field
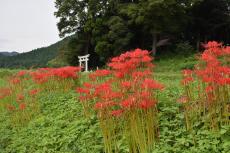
<point>60,127</point>
<point>4,73</point>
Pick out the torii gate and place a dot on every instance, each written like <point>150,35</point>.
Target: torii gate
<point>84,59</point>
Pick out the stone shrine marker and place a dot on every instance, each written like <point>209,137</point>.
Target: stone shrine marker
<point>84,59</point>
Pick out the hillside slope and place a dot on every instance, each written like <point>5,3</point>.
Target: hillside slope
<point>35,58</point>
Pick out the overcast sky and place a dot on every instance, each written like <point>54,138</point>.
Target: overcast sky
<point>27,24</point>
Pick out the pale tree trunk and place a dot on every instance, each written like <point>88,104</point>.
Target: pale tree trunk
<point>154,43</point>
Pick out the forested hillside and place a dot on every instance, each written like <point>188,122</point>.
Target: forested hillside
<point>35,58</point>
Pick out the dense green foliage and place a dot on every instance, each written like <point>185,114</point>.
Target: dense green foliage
<point>105,28</point>
<point>59,128</point>
<point>62,128</point>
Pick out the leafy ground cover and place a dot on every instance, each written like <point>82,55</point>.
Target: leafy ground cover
<point>61,126</point>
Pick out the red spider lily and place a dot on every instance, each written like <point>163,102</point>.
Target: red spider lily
<point>4,92</point>
<point>187,72</point>
<point>126,84</point>
<point>45,69</point>
<point>208,57</point>
<point>103,88</point>
<point>104,105</point>
<point>144,94</point>
<point>150,65</point>
<point>117,113</point>
<point>212,44</point>
<point>147,103</point>
<point>99,73</point>
<point>119,75</point>
<point>33,92</point>
<point>209,89</point>
<point>125,65</point>
<point>85,93</point>
<point>102,72</point>
<point>124,89</point>
<point>224,70</point>
<point>129,61</point>
<point>212,75</point>
<point>21,73</point>
<point>128,103</point>
<point>187,81</point>
<point>111,95</point>
<point>87,85</point>
<point>141,74</point>
<point>151,84</point>
<point>11,107</point>
<point>20,97</point>
<point>85,98</point>
<point>226,51</point>
<point>65,72</point>
<point>15,81</point>
<point>228,81</point>
<point>22,106</point>
<point>82,90</point>
<point>47,78</point>
<point>39,77</point>
<point>183,100</point>
<point>138,53</point>
<point>44,74</point>
<point>146,59</point>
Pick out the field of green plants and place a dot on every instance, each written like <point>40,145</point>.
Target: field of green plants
<point>131,107</point>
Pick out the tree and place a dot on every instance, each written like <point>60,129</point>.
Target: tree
<point>79,16</point>
<point>86,18</point>
<point>157,17</point>
<point>115,38</point>
<point>210,20</point>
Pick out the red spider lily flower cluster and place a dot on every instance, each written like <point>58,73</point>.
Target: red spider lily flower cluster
<point>99,73</point>
<point>20,103</point>
<point>12,108</point>
<point>21,73</point>
<point>125,90</point>
<point>4,92</point>
<point>22,106</point>
<point>33,92</point>
<point>44,74</point>
<point>212,78</point>
<point>15,80</point>
<point>21,100</point>
<point>12,94</point>
<point>131,73</point>
<point>20,97</point>
<point>187,74</point>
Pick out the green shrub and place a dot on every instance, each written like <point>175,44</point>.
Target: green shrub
<point>184,48</point>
